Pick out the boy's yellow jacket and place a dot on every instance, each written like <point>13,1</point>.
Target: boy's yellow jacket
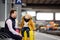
<point>31,24</point>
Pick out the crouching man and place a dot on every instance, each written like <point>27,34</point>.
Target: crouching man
<point>10,26</point>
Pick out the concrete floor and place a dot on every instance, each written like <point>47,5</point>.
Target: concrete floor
<point>43,36</point>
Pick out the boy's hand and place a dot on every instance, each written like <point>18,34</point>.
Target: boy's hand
<point>20,35</point>
<point>35,29</point>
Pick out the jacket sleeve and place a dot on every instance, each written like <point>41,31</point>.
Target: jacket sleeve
<point>33,25</point>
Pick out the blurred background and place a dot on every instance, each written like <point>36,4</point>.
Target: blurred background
<point>45,13</point>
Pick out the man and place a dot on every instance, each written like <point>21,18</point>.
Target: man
<point>10,26</point>
<point>51,25</point>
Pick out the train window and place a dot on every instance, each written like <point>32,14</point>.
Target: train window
<point>57,16</point>
<point>44,16</point>
<point>32,13</point>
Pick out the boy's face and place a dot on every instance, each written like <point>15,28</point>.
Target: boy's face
<point>27,16</point>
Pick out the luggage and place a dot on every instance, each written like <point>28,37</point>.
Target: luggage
<point>31,35</point>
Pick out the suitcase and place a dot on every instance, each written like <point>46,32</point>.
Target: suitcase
<point>31,33</point>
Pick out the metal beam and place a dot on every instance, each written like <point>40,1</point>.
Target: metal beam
<point>29,1</point>
<point>58,2</point>
<point>32,1</point>
<point>23,1</point>
<point>5,9</point>
<point>42,1</point>
<point>47,1</point>
<point>35,1</point>
<point>38,1</point>
<point>53,1</point>
<point>50,2</point>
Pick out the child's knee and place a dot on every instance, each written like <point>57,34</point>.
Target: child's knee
<point>27,30</point>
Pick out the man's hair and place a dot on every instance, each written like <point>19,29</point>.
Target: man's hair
<point>12,11</point>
